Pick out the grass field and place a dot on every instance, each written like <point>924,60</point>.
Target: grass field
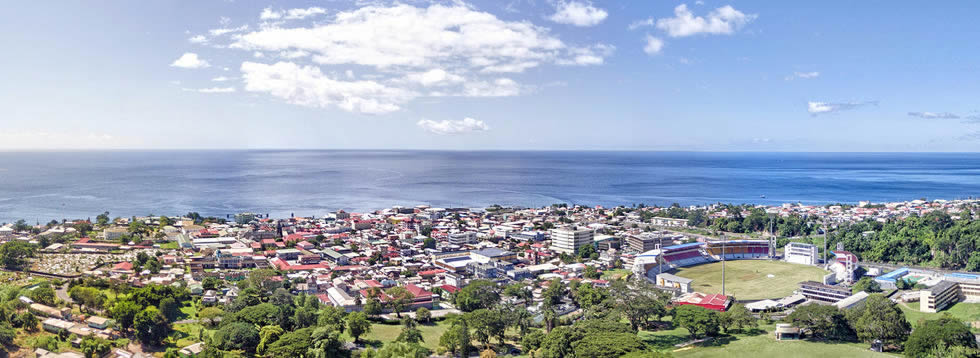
<point>383,333</point>
<point>749,280</point>
<point>967,312</point>
<point>759,344</point>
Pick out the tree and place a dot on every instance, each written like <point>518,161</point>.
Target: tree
<point>43,294</point>
<point>102,219</point>
<point>608,345</point>
<point>456,339</point>
<point>332,316</point>
<point>699,321</point>
<point>326,343</point>
<point>237,335</point>
<point>554,293</point>
<point>169,308</point>
<point>399,350</point>
<point>587,296</point>
<point>152,327</point>
<point>124,312</point>
<point>591,272</point>
<point>357,325</point>
<point>478,294</point>
<point>211,283</point>
<point>399,299</point>
<point>486,324</point>
<point>7,334</point>
<point>879,319</point>
<point>89,296</point>
<point>943,332</point>
<point>429,243</point>
<point>410,333</point>
<point>291,344</point>
<point>423,315</point>
<point>638,301</point>
<point>532,340</point>
<point>209,316</point>
<point>866,284</point>
<point>821,322</point>
<point>588,252</point>
<point>736,318</point>
<point>94,347</point>
<point>14,254</point>
<point>28,321</point>
<point>372,307</point>
<point>267,335</point>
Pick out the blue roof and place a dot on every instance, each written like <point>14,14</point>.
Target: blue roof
<point>682,246</point>
<point>963,275</point>
<point>891,276</point>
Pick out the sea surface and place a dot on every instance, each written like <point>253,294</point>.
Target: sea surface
<point>41,186</point>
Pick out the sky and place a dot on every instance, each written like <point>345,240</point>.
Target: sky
<point>505,74</point>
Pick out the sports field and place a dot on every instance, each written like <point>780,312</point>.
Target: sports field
<point>751,279</point>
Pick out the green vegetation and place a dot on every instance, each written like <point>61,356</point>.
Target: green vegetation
<point>967,312</point>
<point>758,343</point>
<point>749,280</point>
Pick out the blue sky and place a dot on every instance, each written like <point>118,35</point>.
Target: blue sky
<point>525,74</point>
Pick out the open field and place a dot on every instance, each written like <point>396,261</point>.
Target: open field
<point>749,280</point>
<point>383,333</point>
<point>759,345</point>
<point>968,312</point>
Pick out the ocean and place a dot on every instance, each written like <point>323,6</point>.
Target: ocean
<point>41,186</point>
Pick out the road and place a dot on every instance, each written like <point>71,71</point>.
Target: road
<point>62,293</point>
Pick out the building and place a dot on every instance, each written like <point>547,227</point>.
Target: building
<point>786,331</point>
<point>649,240</point>
<point>462,238</point>
<point>887,281</point>
<point>800,253</point>
<point>821,292</point>
<point>98,322</point>
<point>853,301</point>
<point>938,297</point>
<point>114,233</point>
<point>244,218</point>
<point>491,254</point>
<point>668,222</point>
<point>569,239</point>
<point>675,283</point>
<point>55,325</point>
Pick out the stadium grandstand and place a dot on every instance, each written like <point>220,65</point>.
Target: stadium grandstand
<point>670,257</point>
<point>737,249</point>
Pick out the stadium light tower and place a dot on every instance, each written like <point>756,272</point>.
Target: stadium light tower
<point>723,264</point>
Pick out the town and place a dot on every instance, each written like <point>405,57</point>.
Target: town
<point>555,281</point>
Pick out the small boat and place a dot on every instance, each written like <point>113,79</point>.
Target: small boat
<point>762,196</point>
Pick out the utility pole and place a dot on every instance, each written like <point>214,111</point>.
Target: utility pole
<point>723,264</point>
<point>825,244</point>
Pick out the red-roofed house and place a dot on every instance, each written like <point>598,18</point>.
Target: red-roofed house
<point>124,267</point>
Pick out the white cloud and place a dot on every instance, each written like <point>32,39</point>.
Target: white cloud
<point>308,86</point>
<point>501,87</point>
<point>653,46</point>
<point>222,31</point>
<point>190,60</point>
<point>642,23</point>
<point>578,13</point>
<point>221,79</point>
<point>198,39</point>
<point>211,90</point>
<point>591,55</point>
<point>803,75</point>
<point>435,77</point>
<point>816,108</point>
<point>724,20</point>
<point>447,127</point>
<point>934,115</point>
<point>406,36</point>
<point>291,14</point>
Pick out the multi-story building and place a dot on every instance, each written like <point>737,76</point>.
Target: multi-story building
<point>954,288</point>
<point>462,238</point>
<point>800,253</point>
<point>569,239</point>
<point>821,292</point>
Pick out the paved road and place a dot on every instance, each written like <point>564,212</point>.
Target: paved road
<point>62,293</point>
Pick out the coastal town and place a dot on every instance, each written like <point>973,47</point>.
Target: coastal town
<point>415,264</point>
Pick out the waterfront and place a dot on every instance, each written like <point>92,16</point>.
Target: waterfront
<point>52,185</point>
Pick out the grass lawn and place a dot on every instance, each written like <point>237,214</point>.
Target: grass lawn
<point>748,279</point>
<point>614,274</point>
<point>383,333</point>
<point>170,245</point>
<point>758,345</point>
<point>967,312</point>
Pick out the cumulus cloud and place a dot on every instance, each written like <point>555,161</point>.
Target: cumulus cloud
<point>221,79</point>
<point>227,30</point>
<point>817,108</point>
<point>190,60</point>
<point>578,13</point>
<point>291,14</point>
<point>724,20</point>
<point>402,52</point>
<point>447,127</point>
<point>653,45</point>
<point>803,75</point>
<point>308,86</point>
<point>406,36</point>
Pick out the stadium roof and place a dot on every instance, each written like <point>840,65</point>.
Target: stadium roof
<point>892,276</point>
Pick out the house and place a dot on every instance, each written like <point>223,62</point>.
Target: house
<point>191,350</point>
<point>122,268</point>
<point>55,325</point>
<point>98,322</point>
<point>209,297</point>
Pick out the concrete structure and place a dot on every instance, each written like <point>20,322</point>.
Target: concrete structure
<point>938,297</point>
<point>568,240</point>
<point>821,292</point>
<point>887,281</point>
<point>462,238</point>
<point>648,241</point>
<point>669,222</point>
<point>673,282</point>
<point>785,331</point>
<point>853,301</point>
<point>800,253</point>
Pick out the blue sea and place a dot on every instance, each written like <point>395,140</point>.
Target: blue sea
<point>41,186</point>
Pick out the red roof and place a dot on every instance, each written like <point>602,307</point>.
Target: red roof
<point>431,272</point>
<point>123,266</point>
<point>449,288</point>
<point>417,291</point>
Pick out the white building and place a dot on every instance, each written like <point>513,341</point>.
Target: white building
<point>800,253</point>
<point>462,238</point>
<point>569,239</point>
